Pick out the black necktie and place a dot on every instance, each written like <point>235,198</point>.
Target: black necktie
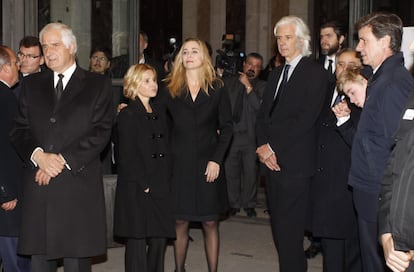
<point>59,87</point>
<point>281,87</point>
<point>330,67</point>
<point>338,100</point>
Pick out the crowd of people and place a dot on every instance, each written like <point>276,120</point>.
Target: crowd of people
<point>332,139</point>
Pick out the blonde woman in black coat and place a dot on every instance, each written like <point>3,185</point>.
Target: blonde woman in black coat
<point>143,214</point>
<point>201,123</point>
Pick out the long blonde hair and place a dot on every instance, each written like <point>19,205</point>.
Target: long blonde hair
<point>177,81</point>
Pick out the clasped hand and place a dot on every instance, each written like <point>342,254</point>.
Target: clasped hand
<point>267,157</point>
<point>50,165</point>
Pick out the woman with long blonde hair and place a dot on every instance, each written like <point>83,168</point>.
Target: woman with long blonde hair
<point>201,125</point>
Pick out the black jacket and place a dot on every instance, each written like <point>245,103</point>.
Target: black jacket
<point>396,214</point>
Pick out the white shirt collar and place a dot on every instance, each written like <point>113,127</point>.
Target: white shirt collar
<point>67,75</point>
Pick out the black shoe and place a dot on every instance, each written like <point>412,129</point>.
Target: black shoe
<point>250,212</point>
<point>233,211</point>
<point>313,250</point>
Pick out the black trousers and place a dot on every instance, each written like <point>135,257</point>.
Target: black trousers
<point>41,264</point>
<point>366,206</point>
<point>241,172</point>
<point>145,255</point>
<point>341,255</point>
<point>288,199</point>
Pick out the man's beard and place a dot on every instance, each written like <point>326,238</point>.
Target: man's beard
<point>332,50</point>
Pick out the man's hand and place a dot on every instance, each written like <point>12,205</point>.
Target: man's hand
<point>51,164</point>
<point>341,109</point>
<point>245,81</point>
<point>268,157</point>
<point>42,178</point>
<point>10,205</point>
<point>121,106</point>
<point>212,171</point>
<point>398,261</point>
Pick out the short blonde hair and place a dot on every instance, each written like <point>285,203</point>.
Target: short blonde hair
<point>133,79</point>
<point>352,75</point>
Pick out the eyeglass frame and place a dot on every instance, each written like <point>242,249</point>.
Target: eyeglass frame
<point>21,55</point>
<point>100,59</point>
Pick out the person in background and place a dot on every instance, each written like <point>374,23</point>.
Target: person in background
<point>380,36</point>
<point>245,92</point>
<point>143,205</point>
<point>332,36</point>
<point>64,122</point>
<point>30,57</point>
<point>273,63</point>
<point>332,211</point>
<point>201,131</point>
<point>10,168</point>
<point>286,139</point>
<point>100,61</point>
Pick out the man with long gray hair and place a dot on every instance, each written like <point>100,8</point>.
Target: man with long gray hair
<point>286,135</point>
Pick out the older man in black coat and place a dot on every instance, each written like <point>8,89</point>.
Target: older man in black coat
<point>286,134</point>
<point>64,122</point>
<point>10,167</point>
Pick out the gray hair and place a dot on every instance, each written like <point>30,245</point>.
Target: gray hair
<point>4,55</point>
<point>301,29</point>
<point>67,34</point>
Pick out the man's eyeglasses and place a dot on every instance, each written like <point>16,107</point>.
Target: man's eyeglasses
<point>101,59</point>
<point>29,56</point>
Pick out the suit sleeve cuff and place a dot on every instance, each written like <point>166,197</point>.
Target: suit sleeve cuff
<point>34,151</point>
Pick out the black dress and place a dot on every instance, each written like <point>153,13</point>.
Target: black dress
<point>201,132</point>
<point>144,162</point>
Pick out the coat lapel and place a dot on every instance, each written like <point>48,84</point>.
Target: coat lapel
<point>74,87</point>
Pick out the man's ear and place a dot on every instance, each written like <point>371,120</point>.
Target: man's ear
<point>385,41</point>
<point>341,40</point>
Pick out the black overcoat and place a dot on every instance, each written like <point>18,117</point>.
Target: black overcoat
<point>201,132</point>
<point>333,215</point>
<point>67,217</point>
<point>144,162</point>
<point>10,164</point>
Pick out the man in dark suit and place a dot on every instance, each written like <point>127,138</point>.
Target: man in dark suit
<point>64,122</point>
<point>31,59</point>
<point>333,215</point>
<point>245,92</point>
<point>380,36</point>
<point>120,64</point>
<point>10,167</point>
<point>332,37</point>
<point>286,134</point>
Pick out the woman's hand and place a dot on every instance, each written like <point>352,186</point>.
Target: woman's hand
<point>212,171</point>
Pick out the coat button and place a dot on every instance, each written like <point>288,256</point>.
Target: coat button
<point>160,136</point>
<point>155,117</point>
<point>153,156</point>
<point>322,146</point>
<point>162,155</point>
<point>52,120</point>
<point>320,169</point>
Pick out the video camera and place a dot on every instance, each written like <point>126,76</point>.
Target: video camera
<point>229,58</point>
<point>174,46</point>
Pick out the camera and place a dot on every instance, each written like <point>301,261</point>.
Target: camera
<point>229,58</point>
<point>174,46</point>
